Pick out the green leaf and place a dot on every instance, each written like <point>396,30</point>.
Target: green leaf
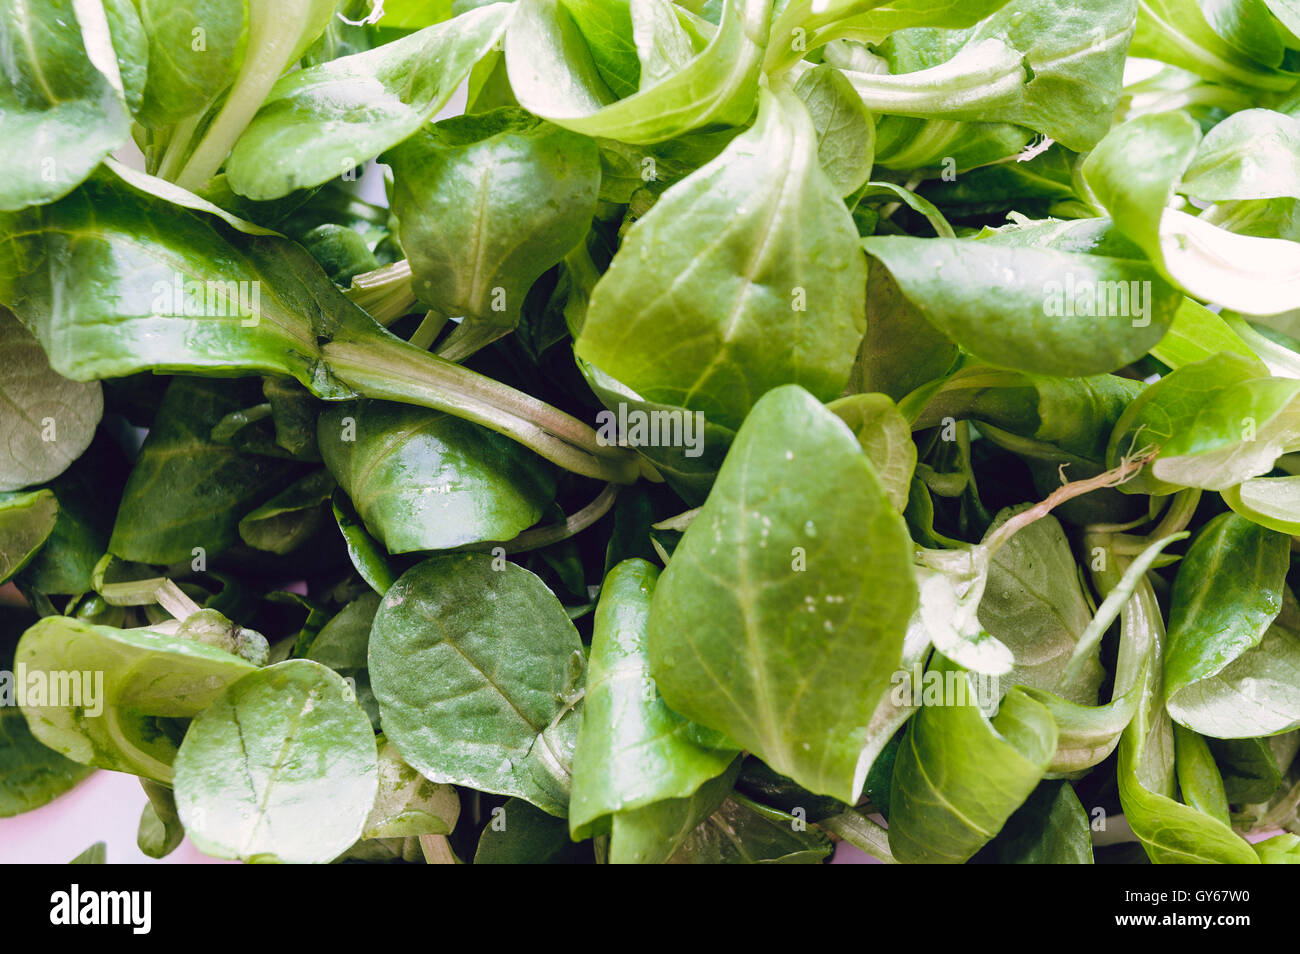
<point>901,351</point>
<point>282,767</point>
<point>1134,172</point>
<point>49,421</point>
<point>62,98</point>
<point>1279,850</point>
<point>186,491</point>
<point>1176,32</point>
<point>519,834</point>
<point>473,661</point>
<point>1087,734</point>
<point>26,522</point>
<point>31,774</point>
<point>689,465</point>
<point>1227,593</point>
<point>1253,769</point>
<point>1199,780</point>
<point>342,642</point>
<point>294,411</point>
<point>161,831</point>
<point>1170,832</point>
<point>408,804</point>
<point>686,316</point>
<point>654,833</point>
<point>291,517</point>
<point>940,145</point>
<point>66,563</point>
<point>760,783</point>
<point>130,49</point>
<point>195,51</point>
<point>846,132</point>
<point>114,280</point>
<point>320,122</point>
<point>1170,408</point>
<point>1238,433</point>
<point>1032,309</point>
<point>487,203</point>
<point>1154,152</point>
<point>960,775</point>
<point>554,75</point>
<point>797,518</point>
<point>1196,334</point>
<point>886,438</point>
<point>663,45</point>
<point>131,681</point>
<point>279,33</point>
<point>367,556</point>
<point>1066,418</point>
<point>1050,828</point>
<point>209,626</point>
<point>413,14</point>
<point>1232,662</point>
<point>606,25</point>
<point>486,487</point>
<point>1253,154</point>
<point>1054,67</point>
<point>633,751</point>
<point>918,204</point>
<point>807,24</point>
<point>1047,177</point>
<point>743,832</point>
<point>1034,605</point>
<point>96,854</point>
<point>1248,26</point>
<point>951,586</point>
<point>1272,502</point>
<point>343,253</point>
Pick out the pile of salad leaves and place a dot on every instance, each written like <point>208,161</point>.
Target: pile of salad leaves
<point>979,324</point>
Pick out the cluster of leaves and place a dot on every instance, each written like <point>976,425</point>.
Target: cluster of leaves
<point>317,487</point>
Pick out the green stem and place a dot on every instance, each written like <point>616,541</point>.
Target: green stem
<point>385,293</point>
<point>1179,514</point>
<point>1110,478</point>
<point>177,146</point>
<point>468,337</point>
<point>429,330</point>
<point>539,537</point>
<point>274,35</point>
<point>437,850</point>
<point>392,370</point>
<point>1116,599</point>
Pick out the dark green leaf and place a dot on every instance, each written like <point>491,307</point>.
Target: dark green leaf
<point>48,421</point>
<point>474,485</point>
<point>633,752</point>
<point>186,494</point>
<point>473,661</point>
<point>725,647</point>
<point>686,317</point>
